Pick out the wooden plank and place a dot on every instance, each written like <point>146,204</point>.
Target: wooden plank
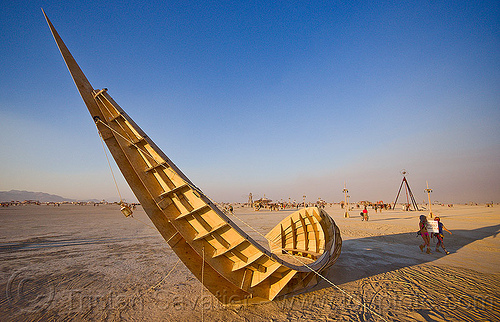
<point>178,189</point>
<point>133,143</point>
<point>164,203</point>
<point>304,232</point>
<point>221,240</point>
<point>246,280</point>
<point>258,277</point>
<point>294,233</point>
<point>315,230</point>
<point>114,118</point>
<point>230,248</point>
<point>283,237</point>
<point>201,209</point>
<point>162,165</point>
<point>243,264</point>
<point>208,233</point>
<point>276,287</point>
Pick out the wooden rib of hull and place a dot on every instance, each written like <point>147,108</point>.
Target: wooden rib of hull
<point>236,268</point>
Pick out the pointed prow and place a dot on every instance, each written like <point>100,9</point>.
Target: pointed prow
<point>81,82</point>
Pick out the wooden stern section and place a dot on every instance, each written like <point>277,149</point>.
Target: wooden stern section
<point>236,268</point>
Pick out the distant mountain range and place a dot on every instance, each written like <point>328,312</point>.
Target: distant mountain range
<point>20,195</point>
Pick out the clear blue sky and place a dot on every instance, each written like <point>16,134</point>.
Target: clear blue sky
<point>279,98</point>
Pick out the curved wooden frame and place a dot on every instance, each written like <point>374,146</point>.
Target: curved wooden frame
<point>236,268</point>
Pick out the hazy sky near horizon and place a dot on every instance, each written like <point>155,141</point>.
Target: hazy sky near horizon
<point>277,98</point>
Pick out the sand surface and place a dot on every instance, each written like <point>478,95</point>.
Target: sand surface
<point>91,263</point>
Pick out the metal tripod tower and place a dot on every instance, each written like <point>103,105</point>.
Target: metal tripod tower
<point>409,194</point>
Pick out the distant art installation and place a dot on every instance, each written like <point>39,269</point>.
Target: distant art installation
<point>429,190</point>
<point>409,194</point>
<point>229,263</point>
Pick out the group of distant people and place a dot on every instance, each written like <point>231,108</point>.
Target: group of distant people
<point>423,224</point>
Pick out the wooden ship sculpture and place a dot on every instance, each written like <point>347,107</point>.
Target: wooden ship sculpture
<point>229,263</point>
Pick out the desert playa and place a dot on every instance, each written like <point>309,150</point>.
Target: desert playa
<point>91,263</point>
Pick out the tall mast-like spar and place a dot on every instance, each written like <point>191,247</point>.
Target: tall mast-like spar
<point>235,267</point>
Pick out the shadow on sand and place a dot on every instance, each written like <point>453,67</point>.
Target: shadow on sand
<point>365,257</point>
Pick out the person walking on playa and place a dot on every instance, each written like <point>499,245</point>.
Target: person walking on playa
<point>424,233</point>
<point>365,214</point>
<point>440,236</point>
